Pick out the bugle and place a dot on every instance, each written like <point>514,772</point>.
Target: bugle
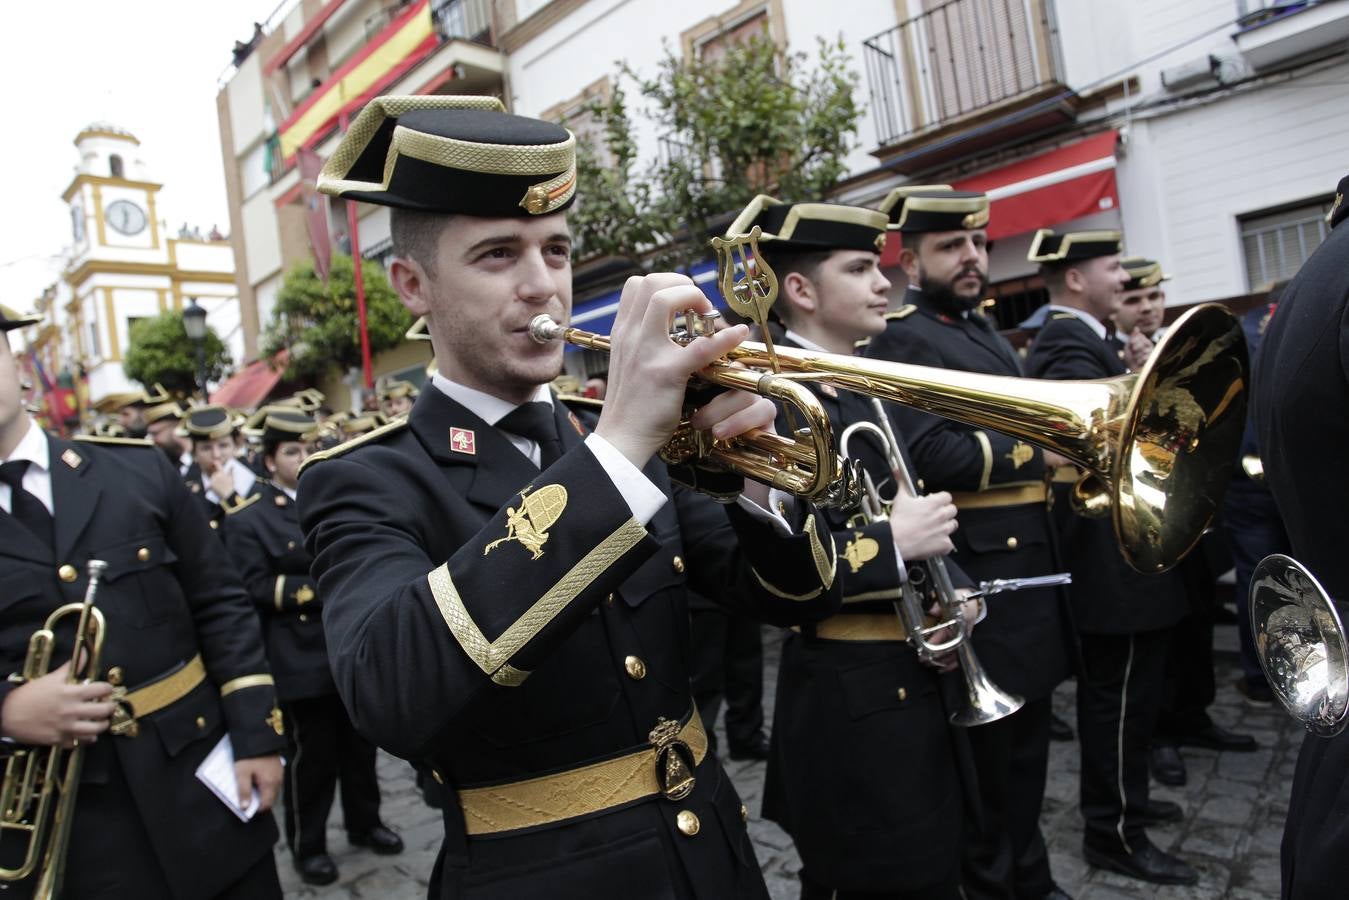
<point>37,796</point>
<point>1300,641</point>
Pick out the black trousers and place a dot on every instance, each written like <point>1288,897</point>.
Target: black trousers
<point>810,890</point>
<point>1190,686</point>
<point>1118,697</point>
<point>1006,857</point>
<point>727,661</point>
<point>324,747</point>
<point>1253,530</point>
<point>1313,859</point>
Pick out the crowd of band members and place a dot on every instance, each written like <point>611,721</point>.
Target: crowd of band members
<point>426,658</point>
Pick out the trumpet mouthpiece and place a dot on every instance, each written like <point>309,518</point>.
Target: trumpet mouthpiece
<point>543,329</point>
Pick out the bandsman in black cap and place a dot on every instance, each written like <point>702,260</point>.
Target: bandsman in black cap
<point>182,669</point>
<point>830,783</point>
<point>1138,320</point>
<point>503,578</point>
<point>161,428</point>
<point>264,538</point>
<point>219,479</point>
<point>1123,618</point>
<point>396,398</point>
<point>998,484</point>
<point>1301,411</point>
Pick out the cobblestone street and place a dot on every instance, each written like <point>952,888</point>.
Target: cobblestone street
<point>1234,806</point>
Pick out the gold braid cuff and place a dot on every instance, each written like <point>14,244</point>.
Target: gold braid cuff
<point>244,682</point>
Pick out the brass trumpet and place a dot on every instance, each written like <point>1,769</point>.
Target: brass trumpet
<point>1160,443</point>
<point>984,701</point>
<point>37,796</point>
<point>1301,644</point>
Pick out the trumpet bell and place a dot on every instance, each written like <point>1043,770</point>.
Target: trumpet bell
<point>985,702</point>
<point>1179,437</point>
<point>1300,641</point>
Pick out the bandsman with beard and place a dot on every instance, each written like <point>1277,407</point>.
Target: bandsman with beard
<point>998,485</point>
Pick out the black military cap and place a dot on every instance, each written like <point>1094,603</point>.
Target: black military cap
<point>396,388</point>
<point>809,227</point>
<point>453,155</point>
<point>914,209</point>
<point>9,319</point>
<point>1339,210</point>
<point>276,423</point>
<point>1050,248</point>
<point>1143,273</point>
<point>160,411</point>
<point>307,400</point>
<point>208,423</point>
<point>117,401</point>
<point>354,426</point>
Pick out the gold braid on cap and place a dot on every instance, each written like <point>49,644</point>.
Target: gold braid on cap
<point>490,159</point>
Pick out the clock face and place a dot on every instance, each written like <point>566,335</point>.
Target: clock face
<point>126,217</point>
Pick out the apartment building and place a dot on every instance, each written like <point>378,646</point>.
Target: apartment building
<point>1210,132</point>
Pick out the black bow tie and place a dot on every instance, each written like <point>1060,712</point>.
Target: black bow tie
<point>536,421</point>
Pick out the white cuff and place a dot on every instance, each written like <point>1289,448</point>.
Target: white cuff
<point>780,503</point>
<point>642,497</point>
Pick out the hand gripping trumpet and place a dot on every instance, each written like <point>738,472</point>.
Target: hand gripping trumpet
<point>984,701</point>
<point>37,797</point>
<point>1158,445</point>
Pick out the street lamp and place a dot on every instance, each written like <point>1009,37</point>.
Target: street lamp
<point>194,323</point>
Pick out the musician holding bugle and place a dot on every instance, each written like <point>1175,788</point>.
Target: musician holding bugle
<point>998,484</point>
<point>181,672</point>
<point>855,701</point>
<point>504,577</point>
<point>1301,413</point>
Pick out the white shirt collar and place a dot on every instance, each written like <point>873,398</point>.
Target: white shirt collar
<point>33,446</point>
<point>804,343</point>
<point>1085,316</point>
<point>483,405</point>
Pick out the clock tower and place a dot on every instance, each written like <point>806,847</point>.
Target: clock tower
<point>122,266</point>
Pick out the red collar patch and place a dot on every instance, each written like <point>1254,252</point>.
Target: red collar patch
<point>462,440</point>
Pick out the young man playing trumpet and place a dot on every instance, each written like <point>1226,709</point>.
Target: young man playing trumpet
<point>855,704</point>
<point>503,580</point>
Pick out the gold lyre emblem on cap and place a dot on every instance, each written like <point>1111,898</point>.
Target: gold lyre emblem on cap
<point>860,550</point>
<point>674,760</point>
<point>529,523</point>
<point>1020,454</point>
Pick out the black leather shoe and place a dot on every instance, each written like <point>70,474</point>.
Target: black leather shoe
<point>1059,730</point>
<point>1160,812</point>
<point>1148,862</point>
<point>1215,737</point>
<point>1166,764</point>
<point>317,869</point>
<point>379,839</point>
<point>755,749</point>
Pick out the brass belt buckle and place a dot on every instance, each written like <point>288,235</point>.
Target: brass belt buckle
<point>674,760</point>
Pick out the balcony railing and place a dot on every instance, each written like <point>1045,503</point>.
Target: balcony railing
<point>956,59</point>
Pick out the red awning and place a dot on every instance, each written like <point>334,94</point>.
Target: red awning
<point>249,386</point>
<point>1044,190</point>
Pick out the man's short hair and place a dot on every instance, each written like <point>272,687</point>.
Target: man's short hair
<point>784,261</point>
<point>1055,276</point>
<point>416,235</point>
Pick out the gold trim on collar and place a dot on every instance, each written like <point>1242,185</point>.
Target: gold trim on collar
<point>243,683</point>
<point>347,446</point>
<point>491,656</point>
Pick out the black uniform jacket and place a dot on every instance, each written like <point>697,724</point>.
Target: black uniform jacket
<point>217,512</point>
<point>1108,596</point>
<point>1027,641</point>
<point>849,712</point>
<point>1301,409</point>
<point>169,595</point>
<point>264,538</point>
<point>497,623</point>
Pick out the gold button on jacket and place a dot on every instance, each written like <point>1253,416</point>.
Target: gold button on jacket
<point>67,573</point>
<point>635,667</point>
<point>688,822</point>
<point>143,554</point>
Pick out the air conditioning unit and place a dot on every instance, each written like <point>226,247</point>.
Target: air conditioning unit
<point>1202,71</point>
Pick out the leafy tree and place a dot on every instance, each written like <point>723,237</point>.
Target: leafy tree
<point>758,120</point>
<point>160,352</point>
<point>320,323</point>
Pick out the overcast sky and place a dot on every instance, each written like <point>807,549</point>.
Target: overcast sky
<point>149,66</point>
